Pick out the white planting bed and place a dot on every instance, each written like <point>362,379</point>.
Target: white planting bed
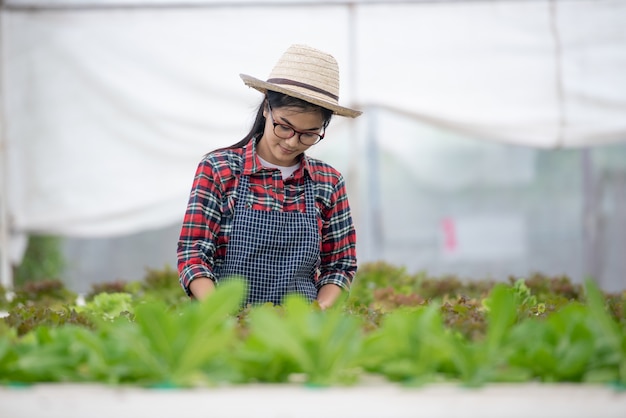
<point>378,400</point>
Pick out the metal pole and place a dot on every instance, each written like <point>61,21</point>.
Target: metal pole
<point>373,186</point>
<point>352,175</point>
<point>591,267</point>
<point>6,273</point>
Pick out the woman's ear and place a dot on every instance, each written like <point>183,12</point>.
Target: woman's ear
<point>265,108</point>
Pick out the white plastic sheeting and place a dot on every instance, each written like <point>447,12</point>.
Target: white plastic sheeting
<point>108,108</point>
<point>109,112</point>
<point>545,74</point>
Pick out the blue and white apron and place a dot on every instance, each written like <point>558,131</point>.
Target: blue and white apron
<point>276,252</point>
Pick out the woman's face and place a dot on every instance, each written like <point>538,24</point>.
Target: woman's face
<point>285,152</point>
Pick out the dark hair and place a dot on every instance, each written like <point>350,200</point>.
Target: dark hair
<point>278,100</point>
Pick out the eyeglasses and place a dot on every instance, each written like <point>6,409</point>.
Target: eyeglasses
<point>286,132</point>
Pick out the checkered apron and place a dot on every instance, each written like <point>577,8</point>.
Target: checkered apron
<point>277,253</point>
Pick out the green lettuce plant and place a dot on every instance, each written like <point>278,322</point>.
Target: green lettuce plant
<point>301,339</point>
<point>411,346</point>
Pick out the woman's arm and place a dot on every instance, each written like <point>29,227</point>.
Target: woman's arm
<point>198,236</point>
<point>338,252</point>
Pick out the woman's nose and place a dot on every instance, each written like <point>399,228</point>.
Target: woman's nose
<point>294,141</point>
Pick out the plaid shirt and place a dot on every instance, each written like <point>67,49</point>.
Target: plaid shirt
<point>205,233</point>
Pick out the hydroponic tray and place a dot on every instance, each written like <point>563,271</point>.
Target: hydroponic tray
<point>285,401</point>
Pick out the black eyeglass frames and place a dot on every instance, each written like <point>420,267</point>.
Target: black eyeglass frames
<point>285,132</point>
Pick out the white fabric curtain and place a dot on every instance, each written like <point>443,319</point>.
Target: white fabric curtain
<point>107,111</point>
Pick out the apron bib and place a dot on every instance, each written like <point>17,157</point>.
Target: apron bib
<point>277,253</point>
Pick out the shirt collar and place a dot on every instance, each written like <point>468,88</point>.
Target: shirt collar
<point>253,165</point>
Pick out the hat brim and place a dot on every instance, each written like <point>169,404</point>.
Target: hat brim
<point>263,86</point>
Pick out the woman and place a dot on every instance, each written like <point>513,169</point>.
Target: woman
<point>263,210</point>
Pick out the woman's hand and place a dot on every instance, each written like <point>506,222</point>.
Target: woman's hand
<point>201,287</point>
<point>327,295</point>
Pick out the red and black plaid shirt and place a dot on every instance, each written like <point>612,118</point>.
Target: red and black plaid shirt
<point>205,232</point>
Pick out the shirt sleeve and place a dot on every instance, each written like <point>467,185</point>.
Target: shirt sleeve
<point>338,253</point>
<point>201,225</point>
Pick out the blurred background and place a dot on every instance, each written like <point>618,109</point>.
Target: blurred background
<point>493,139</point>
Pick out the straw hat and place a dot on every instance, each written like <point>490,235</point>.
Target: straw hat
<point>308,74</point>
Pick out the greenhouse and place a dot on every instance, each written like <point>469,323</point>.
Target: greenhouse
<point>487,180</point>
